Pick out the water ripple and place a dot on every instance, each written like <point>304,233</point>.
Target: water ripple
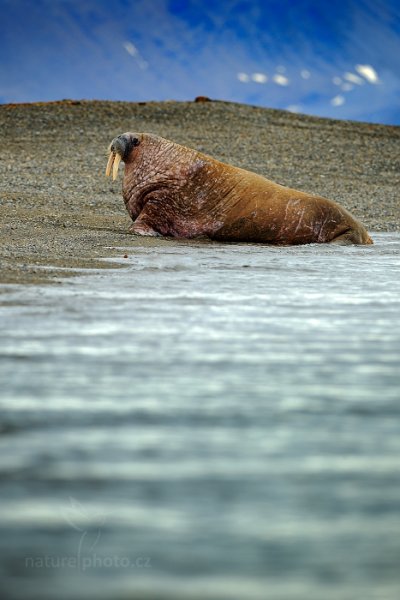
<point>233,410</point>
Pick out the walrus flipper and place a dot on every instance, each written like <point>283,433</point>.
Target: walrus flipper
<point>351,237</point>
<point>142,229</point>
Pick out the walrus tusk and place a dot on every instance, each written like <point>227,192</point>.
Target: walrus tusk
<point>110,164</point>
<point>116,165</point>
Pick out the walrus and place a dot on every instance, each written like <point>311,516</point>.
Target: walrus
<point>172,190</point>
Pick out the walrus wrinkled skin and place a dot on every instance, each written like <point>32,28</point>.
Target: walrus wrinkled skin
<point>171,190</point>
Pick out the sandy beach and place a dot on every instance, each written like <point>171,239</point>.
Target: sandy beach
<point>57,208</point>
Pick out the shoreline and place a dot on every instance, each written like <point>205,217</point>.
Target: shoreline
<point>58,209</point>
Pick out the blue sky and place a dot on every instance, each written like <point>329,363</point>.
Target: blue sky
<point>340,61</point>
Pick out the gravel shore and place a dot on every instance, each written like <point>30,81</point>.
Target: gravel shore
<point>57,208</point>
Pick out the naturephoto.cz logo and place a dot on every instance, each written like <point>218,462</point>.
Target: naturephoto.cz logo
<point>88,525</point>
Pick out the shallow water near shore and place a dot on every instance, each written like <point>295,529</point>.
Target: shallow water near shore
<point>213,421</point>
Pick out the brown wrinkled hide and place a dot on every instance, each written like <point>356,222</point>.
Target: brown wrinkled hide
<point>172,190</point>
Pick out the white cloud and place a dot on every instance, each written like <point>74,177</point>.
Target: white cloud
<point>259,77</point>
<point>294,108</point>
<point>338,100</point>
<point>130,48</point>
<point>134,52</point>
<point>280,79</point>
<point>347,87</point>
<point>305,74</point>
<point>337,80</point>
<point>243,77</point>
<point>353,78</point>
<point>368,73</point>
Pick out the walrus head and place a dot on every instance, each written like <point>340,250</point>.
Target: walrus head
<point>119,149</point>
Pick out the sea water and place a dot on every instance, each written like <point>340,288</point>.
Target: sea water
<point>212,421</point>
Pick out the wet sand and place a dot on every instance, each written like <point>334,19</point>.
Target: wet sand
<point>57,208</point>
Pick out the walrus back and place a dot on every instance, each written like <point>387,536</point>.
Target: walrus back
<point>267,212</point>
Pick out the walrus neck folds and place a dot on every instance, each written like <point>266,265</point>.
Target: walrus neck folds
<point>154,169</point>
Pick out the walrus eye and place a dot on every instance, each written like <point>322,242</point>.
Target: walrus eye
<point>135,142</point>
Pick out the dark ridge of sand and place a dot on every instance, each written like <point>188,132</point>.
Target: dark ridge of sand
<point>58,209</point>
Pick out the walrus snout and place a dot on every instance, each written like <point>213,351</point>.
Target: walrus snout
<point>118,145</point>
<point>119,149</point>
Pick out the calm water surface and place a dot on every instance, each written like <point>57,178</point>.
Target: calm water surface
<point>214,421</point>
